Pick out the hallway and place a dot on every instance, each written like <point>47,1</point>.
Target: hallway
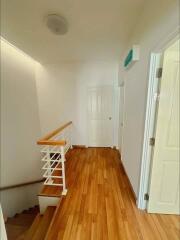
<point>100,203</point>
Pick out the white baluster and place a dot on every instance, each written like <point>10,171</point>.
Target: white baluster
<point>50,181</point>
<point>63,171</point>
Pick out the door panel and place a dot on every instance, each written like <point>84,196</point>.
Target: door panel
<point>169,171</point>
<point>100,119</point>
<point>164,185</point>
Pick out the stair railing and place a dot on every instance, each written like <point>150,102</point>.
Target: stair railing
<point>54,147</point>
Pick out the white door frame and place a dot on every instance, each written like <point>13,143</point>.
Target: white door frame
<point>121,115</point>
<point>150,119</point>
<point>115,113</point>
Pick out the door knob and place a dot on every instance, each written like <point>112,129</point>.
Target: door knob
<point>110,118</point>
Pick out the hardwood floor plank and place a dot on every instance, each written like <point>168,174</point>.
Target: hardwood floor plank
<point>100,204</point>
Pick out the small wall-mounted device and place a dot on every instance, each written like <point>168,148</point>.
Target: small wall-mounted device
<point>132,56</point>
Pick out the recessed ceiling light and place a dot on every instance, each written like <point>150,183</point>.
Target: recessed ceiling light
<point>56,24</point>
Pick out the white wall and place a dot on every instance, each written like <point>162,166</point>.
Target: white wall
<point>20,128</point>
<point>3,235</point>
<point>56,88</point>
<point>62,93</point>
<point>158,20</point>
<point>18,199</point>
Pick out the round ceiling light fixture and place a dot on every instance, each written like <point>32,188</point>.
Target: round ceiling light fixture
<point>56,24</point>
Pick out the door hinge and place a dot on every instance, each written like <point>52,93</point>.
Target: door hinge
<point>159,72</point>
<point>152,141</point>
<point>146,196</point>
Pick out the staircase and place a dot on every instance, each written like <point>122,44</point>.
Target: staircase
<point>40,226</point>
<point>17,226</point>
<point>30,224</point>
<point>35,223</point>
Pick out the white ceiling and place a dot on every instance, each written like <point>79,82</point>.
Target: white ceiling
<point>98,29</point>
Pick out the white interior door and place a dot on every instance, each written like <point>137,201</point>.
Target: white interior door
<point>164,184</point>
<point>100,116</point>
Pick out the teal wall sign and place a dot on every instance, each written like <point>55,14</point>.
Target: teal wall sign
<point>128,58</point>
<point>132,56</point>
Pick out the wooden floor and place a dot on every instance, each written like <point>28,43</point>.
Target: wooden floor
<point>100,204</point>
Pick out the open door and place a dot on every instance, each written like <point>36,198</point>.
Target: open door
<point>164,181</point>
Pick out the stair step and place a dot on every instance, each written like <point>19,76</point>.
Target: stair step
<point>33,210</point>
<point>14,231</point>
<point>22,236</point>
<point>41,224</point>
<point>23,219</point>
<point>18,226</point>
<point>31,232</point>
<point>51,191</point>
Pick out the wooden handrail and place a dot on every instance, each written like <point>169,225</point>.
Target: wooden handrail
<point>22,184</point>
<point>47,141</point>
<point>51,142</point>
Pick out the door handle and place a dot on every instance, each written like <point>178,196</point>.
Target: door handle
<point>110,118</point>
